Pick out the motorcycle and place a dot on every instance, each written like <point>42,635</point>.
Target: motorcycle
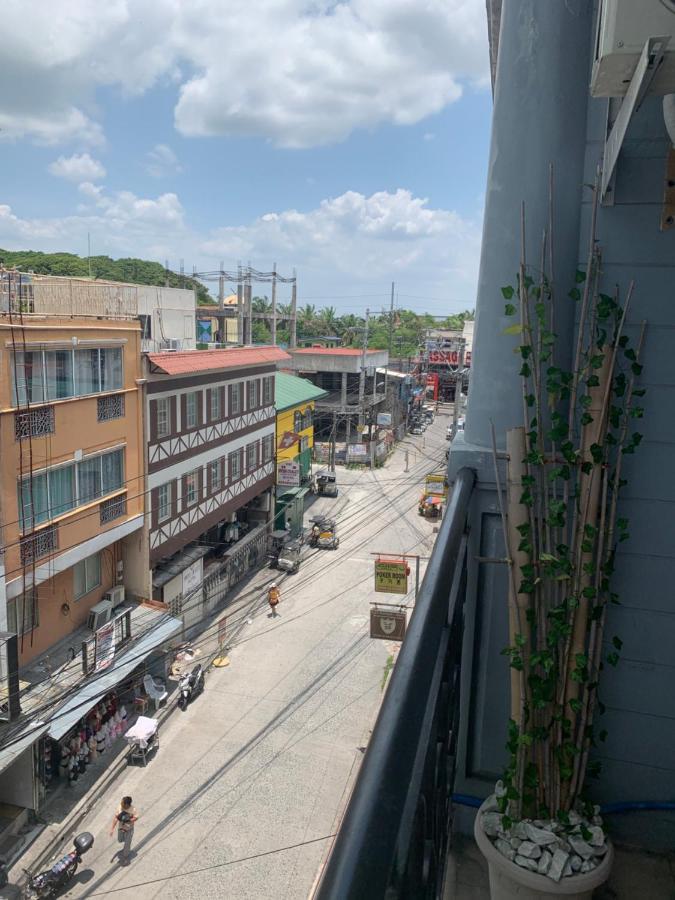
<point>51,881</point>
<point>191,685</point>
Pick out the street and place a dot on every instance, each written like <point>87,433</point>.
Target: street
<point>247,789</point>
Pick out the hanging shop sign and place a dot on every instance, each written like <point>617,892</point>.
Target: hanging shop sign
<point>387,624</point>
<point>391,576</point>
<point>104,651</point>
<point>288,473</point>
<point>357,451</point>
<point>449,358</point>
<point>384,420</point>
<point>288,439</point>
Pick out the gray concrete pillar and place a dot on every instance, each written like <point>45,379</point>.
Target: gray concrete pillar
<point>539,119</point>
<point>343,395</point>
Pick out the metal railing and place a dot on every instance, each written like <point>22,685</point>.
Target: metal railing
<point>393,840</point>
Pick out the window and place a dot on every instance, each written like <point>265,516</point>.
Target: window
<point>164,502</point>
<point>215,410</point>
<point>191,488</point>
<point>59,374</point>
<point>110,363</point>
<point>297,421</point>
<point>112,509</point>
<point>23,612</point>
<point>146,326</point>
<point>50,494</point>
<point>191,407</point>
<point>39,544</point>
<point>28,378</point>
<point>86,372</point>
<point>86,575</point>
<point>304,444</point>
<point>268,390</point>
<point>214,475</point>
<point>251,456</point>
<point>267,447</point>
<point>235,407</point>
<point>111,407</point>
<point>252,393</point>
<point>235,467</point>
<point>34,423</point>
<point>163,409</point>
<point>307,418</point>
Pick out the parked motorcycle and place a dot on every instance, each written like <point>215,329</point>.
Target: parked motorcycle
<point>191,685</point>
<point>51,881</point>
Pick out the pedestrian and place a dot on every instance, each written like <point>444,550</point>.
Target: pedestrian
<point>124,821</point>
<point>273,598</point>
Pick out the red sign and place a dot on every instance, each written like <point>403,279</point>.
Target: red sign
<point>448,357</point>
<point>288,439</point>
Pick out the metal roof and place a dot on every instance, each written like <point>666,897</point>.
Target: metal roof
<point>170,363</point>
<point>290,391</point>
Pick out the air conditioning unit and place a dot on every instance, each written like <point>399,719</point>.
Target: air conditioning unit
<point>623,28</point>
<point>115,595</point>
<point>172,344</point>
<point>100,614</point>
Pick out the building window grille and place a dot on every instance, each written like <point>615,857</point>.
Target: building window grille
<point>38,545</point>
<point>113,509</point>
<point>34,423</point>
<point>111,407</point>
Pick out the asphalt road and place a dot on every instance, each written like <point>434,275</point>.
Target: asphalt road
<point>249,784</point>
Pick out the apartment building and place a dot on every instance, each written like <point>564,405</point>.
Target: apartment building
<point>71,479</point>
<point>210,463</point>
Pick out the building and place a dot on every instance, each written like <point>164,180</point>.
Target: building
<point>346,418</point>
<point>295,401</point>
<point>210,471</point>
<point>439,742</point>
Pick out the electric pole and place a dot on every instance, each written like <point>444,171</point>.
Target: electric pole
<point>391,320</point>
<point>274,305</point>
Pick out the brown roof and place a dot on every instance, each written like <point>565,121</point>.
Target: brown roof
<point>334,351</point>
<point>202,360</point>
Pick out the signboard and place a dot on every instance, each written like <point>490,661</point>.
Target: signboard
<point>358,450</point>
<point>287,439</point>
<point>449,357</point>
<point>288,473</point>
<point>192,578</point>
<point>387,624</point>
<point>204,333</point>
<point>104,649</point>
<point>391,576</point>
<point>384,419</point>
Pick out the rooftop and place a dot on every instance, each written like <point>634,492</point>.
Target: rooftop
<point>170,363</point>
<point>291,391</point>
<point>334,351</point>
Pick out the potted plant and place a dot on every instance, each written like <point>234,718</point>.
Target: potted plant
<point>539,832</point>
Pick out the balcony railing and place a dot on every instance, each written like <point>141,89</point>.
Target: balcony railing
<point>393,839</point>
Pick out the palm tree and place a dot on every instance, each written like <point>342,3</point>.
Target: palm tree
<point>328,318</point>
<point>261,305</point>
<point>307,314</point>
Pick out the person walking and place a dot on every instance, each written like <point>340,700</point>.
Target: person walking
<point>273,598</point>
<point>124,821</point>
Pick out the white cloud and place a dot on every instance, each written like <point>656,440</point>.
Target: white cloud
<point>161,162</point>
<point>347,244</point>
<point>79,168</point>
<point>294,72</point>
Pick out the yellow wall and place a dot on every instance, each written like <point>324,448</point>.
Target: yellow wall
<point>285,423</point>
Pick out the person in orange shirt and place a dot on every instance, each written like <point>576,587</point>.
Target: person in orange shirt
<point>273,597</point>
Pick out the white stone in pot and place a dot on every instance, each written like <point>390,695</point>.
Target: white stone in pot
<point>557,865</point>
<point>492,823</point>
<point>505,849</point>
<point>597,838</point>
<point>581,847</point>
<point>544,862</point>
<point>529,850</point>
<point>575,862</point>
<point>587,866</point>
<point>540,836</point>
<point>526,863</point>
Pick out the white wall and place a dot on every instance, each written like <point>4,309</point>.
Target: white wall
<point>173,316</point>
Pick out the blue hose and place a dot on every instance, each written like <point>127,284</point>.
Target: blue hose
<point>605,809</point>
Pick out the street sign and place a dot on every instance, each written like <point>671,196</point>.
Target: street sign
<point>391,576</point>
<point>387,624</point>
<point>288,473</point>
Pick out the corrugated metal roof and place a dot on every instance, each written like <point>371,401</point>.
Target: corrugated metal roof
<point>290,391</point>
<point>335,351</point>
<point>203,360</point>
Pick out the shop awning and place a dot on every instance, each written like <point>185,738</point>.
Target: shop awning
<point>15,746</point>
<point>99,685</point>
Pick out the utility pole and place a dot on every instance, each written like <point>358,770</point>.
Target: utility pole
<point>274,304</point>
<point>221,287</point>
<point>294,312</point>
<point>240,306</point>
<point>362,376</point>
<point>331,447</point>
<point>248,303</point>
<point>391,320</point>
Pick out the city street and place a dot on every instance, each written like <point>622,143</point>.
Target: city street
<point>247,789</point>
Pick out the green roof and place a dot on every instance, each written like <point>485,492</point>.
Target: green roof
<point>292,391</point>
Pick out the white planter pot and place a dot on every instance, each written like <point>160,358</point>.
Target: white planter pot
<point>511,882</point>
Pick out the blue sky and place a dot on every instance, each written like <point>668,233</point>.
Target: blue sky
<point>359,158</point>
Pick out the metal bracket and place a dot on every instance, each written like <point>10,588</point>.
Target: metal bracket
<point>648,64</point>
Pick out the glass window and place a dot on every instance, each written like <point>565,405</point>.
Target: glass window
<point>89,479</point>
<point>267,391</point>
<point>59,374</point>
<point>163,417</point>
<point>214,475</point>
<point>33,501</point>
<point>164,502</point>
<point>86,372</point>
<point>250,457</point>
<point>253,393</point>
<point>236,399</point>
<point>297,421</point>
<point>112,471</point>
<point>112,376</point>
<point>235,469</point>
<point>28,381</point>
<point>86,575</point>
<point>191,488</point>
<point>304,444</point>
<point>215,404</point>
<point>191,401</point>
<point>268,447</point>
<point>61,490</point>
<point>23,612</point>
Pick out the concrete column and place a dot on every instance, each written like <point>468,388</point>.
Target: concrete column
<point>539,119</point>
<point>348,423</point>
<point>362,392</point>
<point>374,384</point>
<point>343,395</point>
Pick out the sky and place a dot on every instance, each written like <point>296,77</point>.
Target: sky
<point>347,139</point>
